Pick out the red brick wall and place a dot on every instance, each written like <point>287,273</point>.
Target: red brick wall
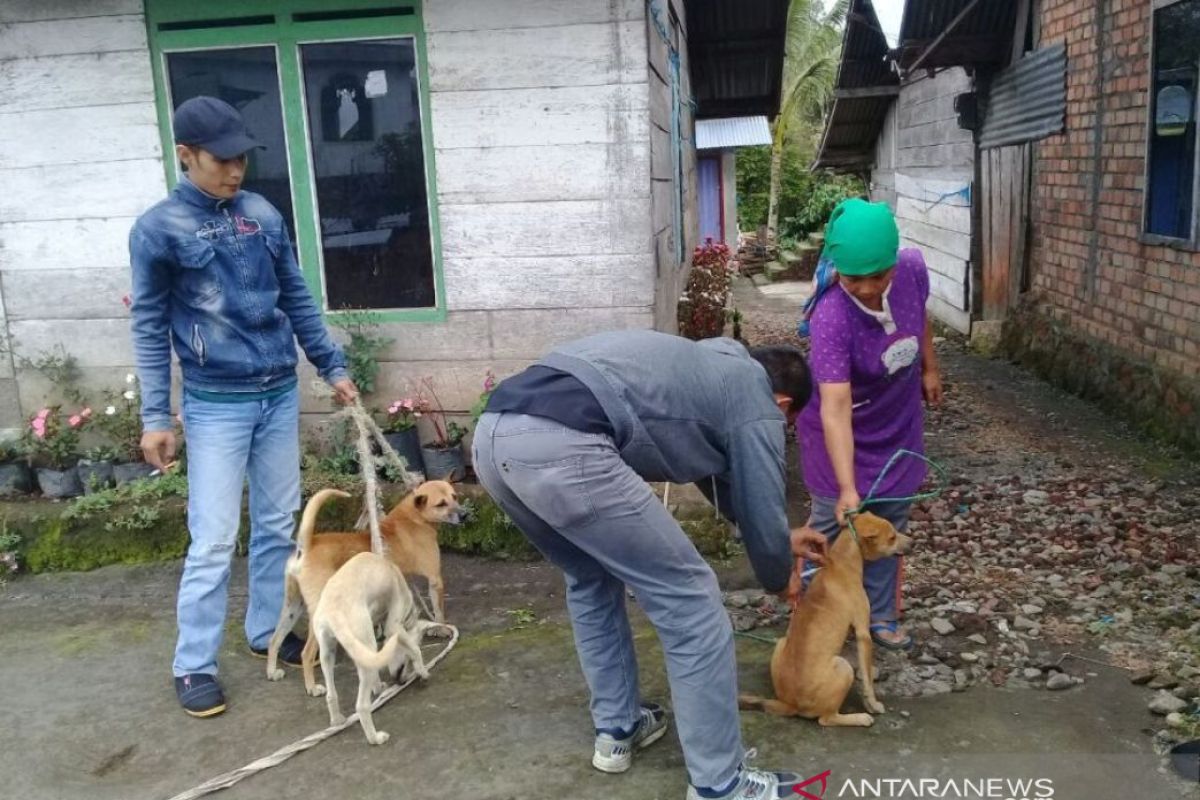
<point>1089,270</point>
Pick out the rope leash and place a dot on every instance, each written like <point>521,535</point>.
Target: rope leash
<point>368,432</point>
<point>281,755</point>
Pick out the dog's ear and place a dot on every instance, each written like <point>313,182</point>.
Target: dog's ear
<point>420,501</point>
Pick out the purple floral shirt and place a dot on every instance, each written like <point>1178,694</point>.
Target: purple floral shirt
<point>879,354</point>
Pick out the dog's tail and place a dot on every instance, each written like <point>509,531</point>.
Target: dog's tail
<point>368,658</point>
<point>752,702</point>
<point>309,519</point>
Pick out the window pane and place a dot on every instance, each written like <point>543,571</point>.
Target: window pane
<point>365,124</point>
<point>1173,122</point>
<point>247,79</point>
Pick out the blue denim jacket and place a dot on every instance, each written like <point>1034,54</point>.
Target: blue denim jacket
<point>218,280</point>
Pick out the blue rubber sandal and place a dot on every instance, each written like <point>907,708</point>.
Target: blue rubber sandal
<point>890,626</point>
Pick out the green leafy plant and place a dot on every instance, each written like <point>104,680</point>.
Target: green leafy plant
<point>101,452</point>
<point>486,531</point>
<point>489,386</point>
<point>53,438</point>
<point>134,506</point>
<point>522,617</point>
<point>121,420</point>
<point>825,192</point>
<point>9,542</point>
<point>15,450</point>
<point>364,347</point>
<point>402,414</point>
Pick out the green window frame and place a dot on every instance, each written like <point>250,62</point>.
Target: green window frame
<point>181,25</point>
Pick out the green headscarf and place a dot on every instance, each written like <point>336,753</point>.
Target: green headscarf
<point>861,238</point>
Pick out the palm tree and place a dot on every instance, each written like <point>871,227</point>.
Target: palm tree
<point>811,55</point>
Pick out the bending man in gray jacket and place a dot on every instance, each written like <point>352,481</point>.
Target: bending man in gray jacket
<point>566,448</point>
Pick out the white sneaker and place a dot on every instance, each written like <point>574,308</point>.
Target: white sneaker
<point>616,755</point>
<point>756,784</point>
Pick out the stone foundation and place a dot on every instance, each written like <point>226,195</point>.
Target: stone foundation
<point>1155,401</point>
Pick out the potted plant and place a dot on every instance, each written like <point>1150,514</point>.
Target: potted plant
<point>16,478</point>
<point>96,468</point>
<point>122,423</point>
<point>442,457</point>
<point>54,442</point>
<point>400,430</point>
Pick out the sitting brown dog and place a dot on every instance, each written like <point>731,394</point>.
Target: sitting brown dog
<point>810,678</point>
<point>410,539</point>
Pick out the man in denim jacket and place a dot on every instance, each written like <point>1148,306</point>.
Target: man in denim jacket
<point>214,275</point>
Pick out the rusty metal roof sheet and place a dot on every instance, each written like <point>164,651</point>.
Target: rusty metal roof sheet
<point>865,87</point>
<point>735,52</point>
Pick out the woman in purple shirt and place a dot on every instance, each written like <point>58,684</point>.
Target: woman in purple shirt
<point>872,358</point>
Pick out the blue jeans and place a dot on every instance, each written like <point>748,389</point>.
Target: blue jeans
<point>226,443</point>
<point>591,515</point>
<point>881,578</point>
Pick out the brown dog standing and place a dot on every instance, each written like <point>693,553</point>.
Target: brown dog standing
<point>410,539</point>
<point>810,677</point>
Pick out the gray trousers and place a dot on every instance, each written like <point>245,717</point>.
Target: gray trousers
<point>590,514</point>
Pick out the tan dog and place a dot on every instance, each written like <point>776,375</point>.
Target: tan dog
<point>810,678</point>
<point>366,591</point>
<point>410,538</point>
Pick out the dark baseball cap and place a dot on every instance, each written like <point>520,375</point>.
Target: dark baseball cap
<point>213,125</point>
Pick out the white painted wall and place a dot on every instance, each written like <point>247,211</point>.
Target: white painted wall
<point>922,158</point>
<point>541,115</point>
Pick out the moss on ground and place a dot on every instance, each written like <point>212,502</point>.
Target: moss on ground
<point>56,537</point>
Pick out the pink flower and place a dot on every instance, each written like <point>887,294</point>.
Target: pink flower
<point>39,428</point>
<point>393,408</point>
<point>489,383</point>
<point>127,299</point>
<point>86,413</point>
<point>45,412</point>
<point>407,404</point>
<point>75,421</point>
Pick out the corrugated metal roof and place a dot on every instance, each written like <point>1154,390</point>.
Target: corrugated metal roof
<point>864,50</point>
<point>984,36</point>
<point>852,124</point>
<point>1028,100</point>
<point>735,53</point>
<point>732,132</point>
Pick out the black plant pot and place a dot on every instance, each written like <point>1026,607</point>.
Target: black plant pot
<point>59,483</point>
<point>16,478</point>
<point>407,445</point>
<point>446,464</point>
<point>96,476</point>
<point>134,470</point>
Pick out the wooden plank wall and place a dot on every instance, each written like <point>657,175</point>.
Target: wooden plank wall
<point>670,271</point>
<point>540,112</point>
<point>1005,195</point>
<point>931,161</point>
<point>80,158</point>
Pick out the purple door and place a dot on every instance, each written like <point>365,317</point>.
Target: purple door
<point>711,206</point>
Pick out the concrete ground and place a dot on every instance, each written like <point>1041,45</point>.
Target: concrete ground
<point>89,711</point>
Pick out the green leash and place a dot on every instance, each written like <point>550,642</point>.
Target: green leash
<point>871,500</point>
